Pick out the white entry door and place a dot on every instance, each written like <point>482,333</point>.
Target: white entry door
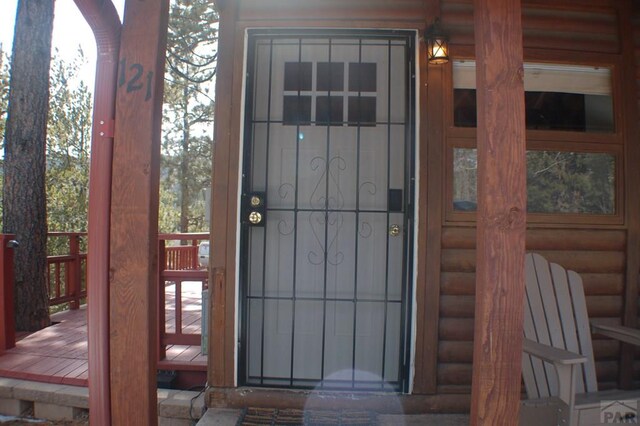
<point>326,219</point>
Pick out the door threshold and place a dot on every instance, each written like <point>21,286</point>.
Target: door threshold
<point>382,403</point>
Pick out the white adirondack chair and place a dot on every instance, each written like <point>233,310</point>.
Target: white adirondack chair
<point>558,366</point>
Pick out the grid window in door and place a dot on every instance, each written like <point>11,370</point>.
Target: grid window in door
<point>335,106</point>
<point>324,281</point>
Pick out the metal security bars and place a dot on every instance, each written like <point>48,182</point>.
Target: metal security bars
<point>324,277</point>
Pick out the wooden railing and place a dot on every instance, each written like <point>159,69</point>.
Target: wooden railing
<point>180,258</point>
<point>67,281</point>
<point>179,264</point>
<point>66,273</point>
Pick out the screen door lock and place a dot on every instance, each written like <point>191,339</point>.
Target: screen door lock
<point>254,209</point>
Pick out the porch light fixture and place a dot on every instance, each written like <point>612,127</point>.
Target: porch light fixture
<point>437,44</point>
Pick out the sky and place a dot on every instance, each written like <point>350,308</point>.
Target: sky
<point>69,32</point>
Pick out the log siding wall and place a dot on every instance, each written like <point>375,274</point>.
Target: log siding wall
<point>586,26</point>
<point>598,255</point>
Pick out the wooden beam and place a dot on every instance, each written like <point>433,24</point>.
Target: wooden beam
<point>431,210</point>
<point>631,197</point>
<point>222,339</point>
<point>134,214</point>
<point>105,23</point>
<point>501,213</point>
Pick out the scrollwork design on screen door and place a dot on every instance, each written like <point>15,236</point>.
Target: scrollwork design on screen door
<point>334,221</point>
<point>285,190</point>
<point>318,199</point>
<point>326,225</point>
<point>365,230</point>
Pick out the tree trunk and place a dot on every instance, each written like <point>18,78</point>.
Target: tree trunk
<point>185,185</point>
<point>24,204</point>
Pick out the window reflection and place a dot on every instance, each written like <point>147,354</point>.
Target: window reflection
<point>566,98</point>
<point>557,182</point>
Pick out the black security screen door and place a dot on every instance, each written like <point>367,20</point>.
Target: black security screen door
<point>326,210</point>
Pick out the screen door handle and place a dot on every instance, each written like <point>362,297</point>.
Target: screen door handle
<point>395,200</point>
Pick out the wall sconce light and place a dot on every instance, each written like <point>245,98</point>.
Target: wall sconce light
<point>437,44</point>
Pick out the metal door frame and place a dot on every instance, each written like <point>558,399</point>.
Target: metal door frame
<point>410,216</point>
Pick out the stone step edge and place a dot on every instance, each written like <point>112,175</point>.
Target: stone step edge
<point>172,403</point>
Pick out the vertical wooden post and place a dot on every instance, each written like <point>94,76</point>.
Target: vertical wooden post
<point>631,195</point>
<point>222,343</point>
<point>74,272</point>
<point>194,255</point>
<point>162,315</point>
<point>217,277</point>
<point>105,24</point>
<point>7,317</point>
<point>134,214</point>
<point>432,152</point>
<point>501,213</point>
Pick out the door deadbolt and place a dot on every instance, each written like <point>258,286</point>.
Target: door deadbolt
<point>255,201</point>
<point>394,230</point>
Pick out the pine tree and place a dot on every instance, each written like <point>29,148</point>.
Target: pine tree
<point>188,113</point>
<point>4,105</point>
<point>4,90</point>
<point>68,145</point>
<point>24,203</point>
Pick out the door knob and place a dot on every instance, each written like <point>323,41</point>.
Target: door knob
<point>394,230</point>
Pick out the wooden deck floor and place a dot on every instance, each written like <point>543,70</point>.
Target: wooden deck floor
<point>58,354</point>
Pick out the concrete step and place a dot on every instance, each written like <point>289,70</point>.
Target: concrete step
<point>220,417</point>
<point>62,402</point>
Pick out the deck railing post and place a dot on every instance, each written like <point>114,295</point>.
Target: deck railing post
<point>162,263</point>
<point>7,320</point>
<point>75,270</point>
<point>194,255</point>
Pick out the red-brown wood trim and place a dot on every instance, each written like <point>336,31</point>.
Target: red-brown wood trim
<point>217,327</point>
<point>344,12</point>
<point>497,354</point>
<point>421,381</point>
<point>431,209</point>
<point>162,317</point>
<point>134,214</point>
<point>233,183</point>
<point>632,159</point>
<point>413,24</point>
<point>221,335</point>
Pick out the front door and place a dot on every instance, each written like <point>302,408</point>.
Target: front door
<point>326,210</point>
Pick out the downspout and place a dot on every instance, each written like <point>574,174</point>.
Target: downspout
<point>103,19</point>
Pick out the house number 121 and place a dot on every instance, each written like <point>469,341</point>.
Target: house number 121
<point>133,78</point>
